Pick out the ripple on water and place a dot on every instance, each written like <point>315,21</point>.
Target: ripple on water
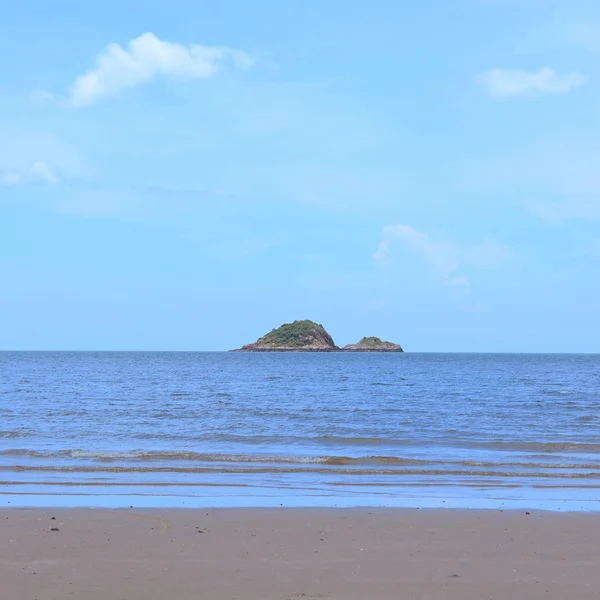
<point>189,410</point>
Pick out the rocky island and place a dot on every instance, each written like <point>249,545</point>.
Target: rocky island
<point>372,344</point>
<point>308,336</point>
<point>299,336</point>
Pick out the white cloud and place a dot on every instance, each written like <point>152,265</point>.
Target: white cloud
<point>502,84</point>
<point>147,57</point>
<point>38,172</point>
<point>444,258</point>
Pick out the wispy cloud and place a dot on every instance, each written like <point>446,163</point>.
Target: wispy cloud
<point>502,84</point>
<point>443,258</point>
<point>582,34</point>
<point>37,172</point>
<point>556,180</point>
<point>594,249</point>
<point>575,209</point>
<point>145,58</point>
<point>148,204</point>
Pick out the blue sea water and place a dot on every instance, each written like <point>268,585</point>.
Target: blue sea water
<point>299,429</point>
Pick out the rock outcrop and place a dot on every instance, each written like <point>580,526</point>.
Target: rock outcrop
<point>299,336</point>
<point>372,344</point>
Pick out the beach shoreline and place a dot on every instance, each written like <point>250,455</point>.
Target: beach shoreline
<point>245,495</point>
<point>297,553</point>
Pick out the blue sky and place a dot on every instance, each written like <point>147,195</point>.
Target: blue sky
<point>187,175</point>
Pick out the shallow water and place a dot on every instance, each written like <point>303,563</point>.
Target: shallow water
<point>347,429</point>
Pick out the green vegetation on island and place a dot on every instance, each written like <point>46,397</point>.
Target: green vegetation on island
<point>373,344</point>
<point>299,336</point>
<point>308,336</point>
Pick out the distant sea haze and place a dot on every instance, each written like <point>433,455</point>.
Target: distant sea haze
<point>301,428</point>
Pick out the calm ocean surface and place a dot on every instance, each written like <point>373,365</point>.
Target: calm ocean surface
<point>232,429</point>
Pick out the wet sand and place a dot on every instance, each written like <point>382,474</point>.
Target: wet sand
<point>297,554</point>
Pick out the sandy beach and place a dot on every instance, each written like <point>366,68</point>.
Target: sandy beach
<point>294,554</point>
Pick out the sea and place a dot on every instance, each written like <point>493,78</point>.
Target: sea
<point>218,429</point>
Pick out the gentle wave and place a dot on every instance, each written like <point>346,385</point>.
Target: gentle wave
<point>362,441</point>
<point>532,448</point>
<point>15,434</point>
<point>177,456</point>
<point>506,445</point>
<point>261,440</point>
<point>546,447</point>
<point>321,469</point>
<point>451,439</point>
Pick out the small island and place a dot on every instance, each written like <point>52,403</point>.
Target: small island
<point>299,336</point>
<point>308,336</point>
<point>373,344</point>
